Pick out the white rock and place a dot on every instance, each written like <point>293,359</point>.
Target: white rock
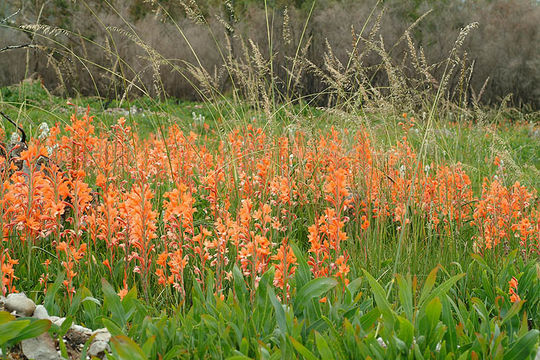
<point>41,313</point>
<point>41,347</point>
<point>58,321</point>
<point>98,347</point>
<point>100,342</point>
<point>102,335</point>
<point>19,303</point>
<point>81,330</point>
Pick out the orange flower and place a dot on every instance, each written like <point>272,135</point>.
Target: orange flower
<point>122,293</point>
<point>285,266</point>
<point>365,222</point>
<point>512,291</point>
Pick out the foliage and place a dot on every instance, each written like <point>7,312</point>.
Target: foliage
<point>355,321</point>
<point>13,331</point>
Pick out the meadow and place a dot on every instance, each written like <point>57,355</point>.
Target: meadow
<point>194,236</point>
<point>388,219</point>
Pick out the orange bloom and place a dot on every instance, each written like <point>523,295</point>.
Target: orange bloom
<point>512,291</point>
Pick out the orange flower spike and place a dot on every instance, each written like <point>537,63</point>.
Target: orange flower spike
<point>342,268</point>
<point>365,222</point>
<point>513,283</point>
<point>142,227</point>
<point>108,265</point>
<point>122,293</point>
<point>512,291</point>
<point>62,247</point>
<point>285,267</point>
<point>8,273</point>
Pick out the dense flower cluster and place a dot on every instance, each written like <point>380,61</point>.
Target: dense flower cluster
<point>168,208</point>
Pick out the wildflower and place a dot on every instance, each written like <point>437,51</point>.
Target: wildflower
<point>512,291</point>
<point>365,222</point>
<point>285,267</point>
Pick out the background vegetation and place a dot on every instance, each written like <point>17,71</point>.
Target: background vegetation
<point>103,44</point>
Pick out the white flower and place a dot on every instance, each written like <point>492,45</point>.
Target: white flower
<point>15,138</point>
<point>43,131</point>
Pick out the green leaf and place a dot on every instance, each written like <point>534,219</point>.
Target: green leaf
<point>380,298</point>
<point>174,352</point>
<point>449,322</point>
<point>113,304</point>
<point>130,298</point>
<point>368,320</point>
<point>524,347</point>
<point>313,289</point>
<point>112,327</point>
<point>354,285</point>
<point>5,317</point>
<point>33,330</point>
<point>433,312</point>
<point>75,304</point>
<point>482,262</point>
<point>91,299</point>
<point>278,309</point>
<point>66,324</point>
<point>428,285</point>
<point>149,345</point>
<point>63,348</point>
<point>441,290</point>
<point>303,273</point>
<point>323,348</point>
<point>240,285</point>
<point>126,349</point>
<point>11,329</point>
<point>405,296</point>
<point>244,346</point>
<point>302,349</point>
<point>87,346</point>
<point>406,330</point>
<point>513,311</point>
<point>48,302</point>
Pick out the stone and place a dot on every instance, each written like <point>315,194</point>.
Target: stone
<point>58,321</point>
<point>41,313</point>
<point>19,303</point>
<point>54,318</point>
<point>102,335</point>
<point>78,334</point>
<point>98,347</point>
<point>100,344</point>
<point>41,347</point>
